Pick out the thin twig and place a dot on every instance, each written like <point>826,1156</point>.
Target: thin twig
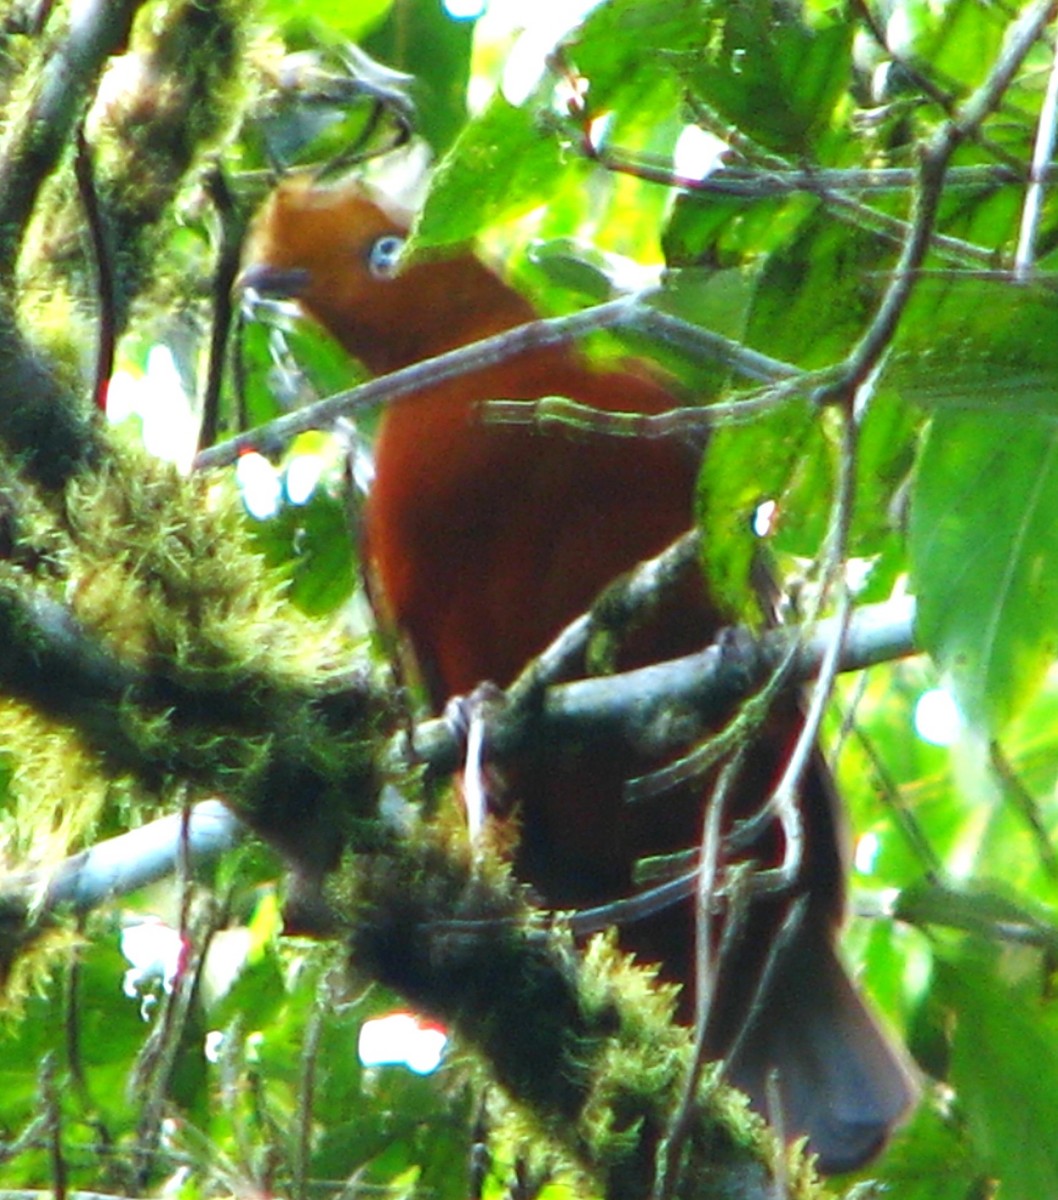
<point>454,364</point>
<point>707,890</point>
<point>691,423</point>
<point>631,909</point>
<point>232,224</point>
<point>53,1108</point>
<point>906,821</point>
<point>763,182</point>
<point>1042,152</point>
<point>777,950</point>
<point>632,311</point>
<point>704,344</point>
<point>101,254</point>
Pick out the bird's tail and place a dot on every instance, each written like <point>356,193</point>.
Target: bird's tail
<point>812,1057</point>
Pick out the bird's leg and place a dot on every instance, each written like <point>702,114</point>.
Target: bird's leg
<point>470,718</point>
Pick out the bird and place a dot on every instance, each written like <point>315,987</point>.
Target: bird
<point>485,539</point>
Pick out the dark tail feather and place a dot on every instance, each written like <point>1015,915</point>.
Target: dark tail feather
<point>814,1053</point>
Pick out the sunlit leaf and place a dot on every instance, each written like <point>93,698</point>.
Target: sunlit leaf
<point>500,166</point>
<point>984,547</point>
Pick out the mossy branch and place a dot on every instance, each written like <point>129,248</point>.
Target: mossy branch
<point>182,93</point>
<point>584,1045</point>
<point>277,746</point>
<point>43,422</point>
<point>175,659</point>
<point>69,65</point>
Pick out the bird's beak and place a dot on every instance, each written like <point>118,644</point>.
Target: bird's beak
<point>279,282</point>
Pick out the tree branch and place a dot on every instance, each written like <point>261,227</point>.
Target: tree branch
<point>293,754</point>
<point>44,124</point>
<point>130,861</point>
<point>637,704</point>
<point>582,1043</point>
<point>640,704</point>
<point>633,311</point>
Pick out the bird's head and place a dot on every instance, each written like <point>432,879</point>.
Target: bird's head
<point>337,249</point>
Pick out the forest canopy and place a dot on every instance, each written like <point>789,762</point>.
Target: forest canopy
<point>832,228</point>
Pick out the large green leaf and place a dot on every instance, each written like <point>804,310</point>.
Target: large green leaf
<point>984,550</point>
<point>502,165</point>
<point>769,73</point>
<point>984,540</point>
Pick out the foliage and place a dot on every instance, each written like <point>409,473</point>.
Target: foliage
<point>915,455</point>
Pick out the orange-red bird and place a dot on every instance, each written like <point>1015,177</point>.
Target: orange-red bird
<point>486,540</point>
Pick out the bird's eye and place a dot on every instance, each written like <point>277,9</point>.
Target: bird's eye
<point>383,255</point>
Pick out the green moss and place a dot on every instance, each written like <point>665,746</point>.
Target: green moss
<point>172,100</point>
<point>42,420</point>
<point>584,1046</point>
<point>165,650</point>
<point>177,94</point>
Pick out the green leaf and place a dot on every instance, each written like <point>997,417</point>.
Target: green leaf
<point>984,544</point>
<point>885,457</point>
<point>425,41</point>
<point>818,292</point>
<point>744,466</point>
<point>955,42</point>
<point>979,346</point>
<point>1005,1068</point>
<point>624,44</point>
<point>500,167</point>
<point>511,159</point>
<point>927,1161</point>
<point>771,75</point>
<point>285,360</point>
<point>984,555</point>
<point>728,230</point>
<point>331,17</point>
